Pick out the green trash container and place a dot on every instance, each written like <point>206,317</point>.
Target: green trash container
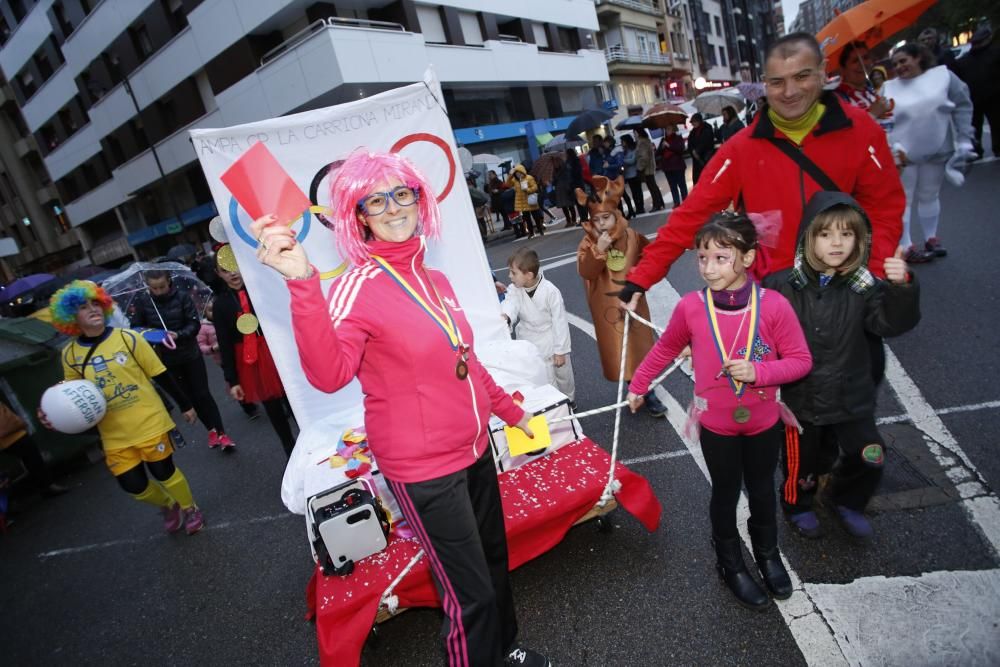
<point>30,363</point>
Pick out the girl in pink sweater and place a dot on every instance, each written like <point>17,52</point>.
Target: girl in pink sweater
<point>745,342</point>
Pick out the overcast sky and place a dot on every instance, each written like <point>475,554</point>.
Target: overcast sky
<point>790,8</point>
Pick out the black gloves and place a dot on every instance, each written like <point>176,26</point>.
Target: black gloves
<point>629,291</point>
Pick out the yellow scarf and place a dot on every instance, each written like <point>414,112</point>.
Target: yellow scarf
<point>797,129</point>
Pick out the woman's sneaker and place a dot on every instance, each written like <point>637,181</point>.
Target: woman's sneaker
<point>193,520</point>
<point>855,522</point>
<point>172,521</point>
<point>806,524</point>
<point>213,439</point>
<point>527,658</point>
<point>227,444</point>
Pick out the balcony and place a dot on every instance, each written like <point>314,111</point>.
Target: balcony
<point>618,54</point>
<point>46,194</point>
<point>111,250</point>
<point>645,6</point>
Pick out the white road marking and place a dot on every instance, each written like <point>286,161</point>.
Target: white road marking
<point>160,536</point>
<point>657,457</point>
<point>949,618</point>
<point>971,407</point>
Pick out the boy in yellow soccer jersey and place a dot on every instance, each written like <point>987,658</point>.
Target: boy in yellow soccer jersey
<point>136,428</point>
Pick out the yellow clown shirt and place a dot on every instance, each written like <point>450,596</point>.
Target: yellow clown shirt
<point>121,365</point>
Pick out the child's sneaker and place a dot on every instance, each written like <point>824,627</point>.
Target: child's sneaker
<point>227,444</point>
<point>172,518</point>
<point>213,439</point>
<point>806,524</point>
<point>655,406</point>
<point>527,658</point>
<point>854,522</point>
<point>193,520</point>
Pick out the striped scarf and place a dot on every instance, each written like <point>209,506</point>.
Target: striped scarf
<point>860,280</point>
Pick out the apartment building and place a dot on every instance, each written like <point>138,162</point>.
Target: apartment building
<point>109,88</point>
<point>708,44</point>
<point>31,213</point>
<point>648,58</point>
<point>749,29</point>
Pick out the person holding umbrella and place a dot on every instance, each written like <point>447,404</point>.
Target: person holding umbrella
<point>645,163</point>
<point>701,145</point>
<point>670,153</point>
<point>731,123</point>
<point>856,86</point>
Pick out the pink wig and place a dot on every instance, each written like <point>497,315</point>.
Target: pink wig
<point>356,179</point>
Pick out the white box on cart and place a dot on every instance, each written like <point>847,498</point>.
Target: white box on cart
<point>546,400</point>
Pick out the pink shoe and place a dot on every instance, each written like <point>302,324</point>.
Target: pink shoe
<point>172,518</point>
<point>213,439</point>
<point>227,444</point>
<point>193,520</point>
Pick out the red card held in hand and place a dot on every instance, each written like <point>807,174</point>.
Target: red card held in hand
<point>262,187</point>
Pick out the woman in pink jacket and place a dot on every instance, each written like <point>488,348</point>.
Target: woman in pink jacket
<point>397,326</point>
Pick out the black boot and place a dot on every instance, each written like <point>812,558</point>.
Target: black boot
<point>765,550</point>
<point>733,572</point>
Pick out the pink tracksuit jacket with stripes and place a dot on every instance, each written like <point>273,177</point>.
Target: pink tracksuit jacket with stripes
<point>422,421</point>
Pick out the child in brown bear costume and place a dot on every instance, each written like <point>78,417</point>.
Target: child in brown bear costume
<point>606,253</point>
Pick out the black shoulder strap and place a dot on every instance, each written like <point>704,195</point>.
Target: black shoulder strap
<point>82,370</point>
<point>807,165</point>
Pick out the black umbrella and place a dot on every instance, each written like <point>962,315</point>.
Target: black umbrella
<point>630,123</point>
<point>588,120</point>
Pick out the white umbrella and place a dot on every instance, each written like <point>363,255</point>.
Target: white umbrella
<point>714,101</point>
<point>486,158</point>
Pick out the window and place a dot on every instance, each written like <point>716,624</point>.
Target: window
<point>430,25</point>
<point>718,26</point>
<point>722,57</point>
<point>471,32</point>
<point>141,41</point>
<point>541,39</point>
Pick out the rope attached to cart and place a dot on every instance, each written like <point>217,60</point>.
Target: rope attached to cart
<point>391,602</point>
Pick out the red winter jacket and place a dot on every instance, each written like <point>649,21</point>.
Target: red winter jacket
<point>422,421</point>
<point>847,144</point>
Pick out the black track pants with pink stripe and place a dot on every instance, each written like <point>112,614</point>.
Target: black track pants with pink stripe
<point>459,522</point>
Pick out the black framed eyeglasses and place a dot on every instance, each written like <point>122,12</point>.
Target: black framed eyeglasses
<point>377,202</point>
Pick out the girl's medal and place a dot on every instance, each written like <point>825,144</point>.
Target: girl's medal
<point>741,414</point>
<point>615,260</point>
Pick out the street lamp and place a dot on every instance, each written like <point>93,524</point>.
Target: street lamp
<point>115,63</point>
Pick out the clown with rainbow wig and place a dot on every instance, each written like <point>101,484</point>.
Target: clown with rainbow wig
<point>397,326</point>
<point>135,431</point>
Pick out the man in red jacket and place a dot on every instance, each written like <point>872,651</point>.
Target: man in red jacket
<point>751,172</point>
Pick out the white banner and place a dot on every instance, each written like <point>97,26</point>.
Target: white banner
<point>411,121</point>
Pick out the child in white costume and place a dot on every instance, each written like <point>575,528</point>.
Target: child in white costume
<point>534,307</point>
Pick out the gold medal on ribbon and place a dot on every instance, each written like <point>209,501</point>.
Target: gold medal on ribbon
<point>615,260</point>
<point>226,259</point>
<point>741,414</point>
<point>247,323</point>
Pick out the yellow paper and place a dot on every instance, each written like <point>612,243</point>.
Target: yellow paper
<point>519,443</point>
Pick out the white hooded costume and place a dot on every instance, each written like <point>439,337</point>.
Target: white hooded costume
<point>540,318</point>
